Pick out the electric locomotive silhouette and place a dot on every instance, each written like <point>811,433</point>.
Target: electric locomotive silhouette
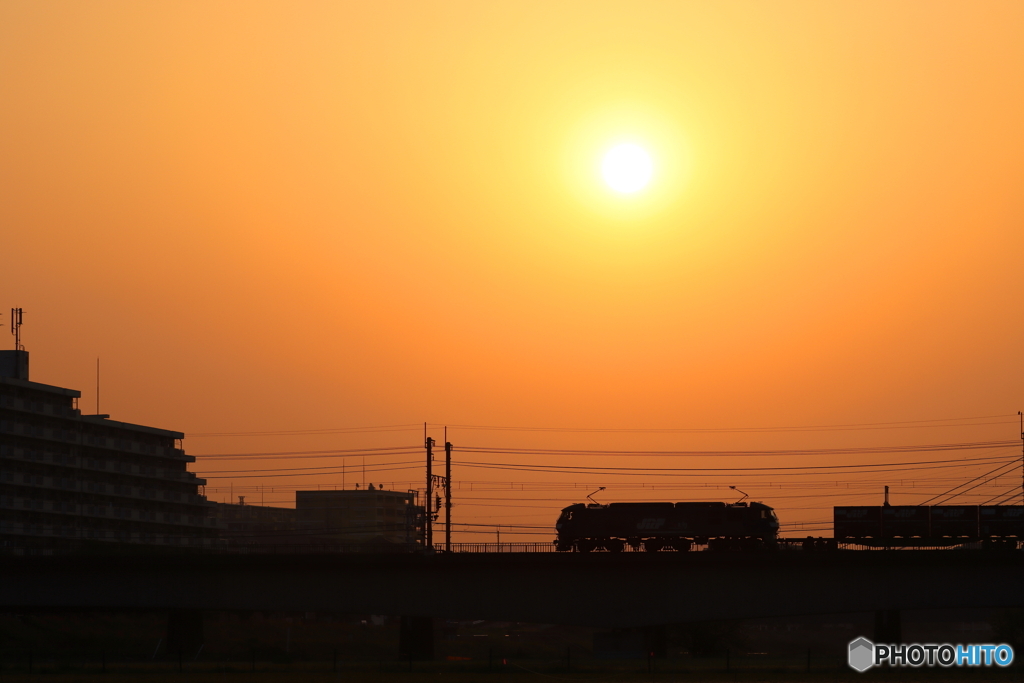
<point>670,526</point>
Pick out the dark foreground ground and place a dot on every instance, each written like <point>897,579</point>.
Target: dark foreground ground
<point>510,674</point>
<point>270,648</point>
<point>745,668</point>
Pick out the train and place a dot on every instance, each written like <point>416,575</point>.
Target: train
<point>928,524</point>
<point>665,526</point>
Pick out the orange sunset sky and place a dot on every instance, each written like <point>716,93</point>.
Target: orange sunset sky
<point>300,218</point>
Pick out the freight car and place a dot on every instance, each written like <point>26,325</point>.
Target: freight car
<point>929,524</point>
<point>670,526</point>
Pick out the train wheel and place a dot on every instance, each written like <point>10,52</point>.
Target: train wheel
<point>652,545</point>
<point>683,545</point>
<point>584,546</point>
<point>614,546</point>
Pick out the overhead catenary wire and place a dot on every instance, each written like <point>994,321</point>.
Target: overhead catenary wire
<point>970,481</point>
<point>766,487</point>
<point>851,480</point>
<point>557,503</point>
<point>960,493</point>
<point>803,467</point>
<point>409,450</point>
<point>1011,492</point>
<point>703,472</point>
<point>634,471</point>
<point>659,487</point>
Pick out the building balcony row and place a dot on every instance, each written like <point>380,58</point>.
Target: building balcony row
<point>75,511</point>
<point>73,463</point>
<point>26,531</point>
<point>85,486</point>
<point>66,436</point>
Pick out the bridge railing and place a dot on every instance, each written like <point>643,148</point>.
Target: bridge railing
<point>783,545</point>
<point>514,547</point>
<point>322,549</point>
<point>787,545</point>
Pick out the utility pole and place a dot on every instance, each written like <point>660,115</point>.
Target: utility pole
<point>429,502</point>
<point>1021,414</point>
<point>447,496</point>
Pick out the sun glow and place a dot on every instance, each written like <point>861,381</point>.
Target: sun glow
<point>625,162</point>
<point>627,168</point>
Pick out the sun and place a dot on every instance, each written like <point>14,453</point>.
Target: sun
<point>627,168</point>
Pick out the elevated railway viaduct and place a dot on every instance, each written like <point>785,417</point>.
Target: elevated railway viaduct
<point>602,590</point>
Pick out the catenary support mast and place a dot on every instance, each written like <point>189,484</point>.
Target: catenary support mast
<point>448,496</point>
<point>428,507</point>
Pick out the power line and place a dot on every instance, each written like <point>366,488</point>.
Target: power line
<point>906,424</point>
<point>295,469</point>
<point>303,432</point>
<point>806,469</point>
<point>903,424</point>
<point>307,474</point>
<point>334,452</point>
<point>975,445</point>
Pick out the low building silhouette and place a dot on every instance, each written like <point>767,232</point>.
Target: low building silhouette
<point>246,526</point>
<point>346,520</point>
<point>369,515</point>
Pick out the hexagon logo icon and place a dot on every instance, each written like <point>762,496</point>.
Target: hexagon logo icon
<point>862,654</point>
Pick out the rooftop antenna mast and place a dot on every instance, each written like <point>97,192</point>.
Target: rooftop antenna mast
<point>745,496</point>
<point>590,494</point>
<point>16,328</point>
